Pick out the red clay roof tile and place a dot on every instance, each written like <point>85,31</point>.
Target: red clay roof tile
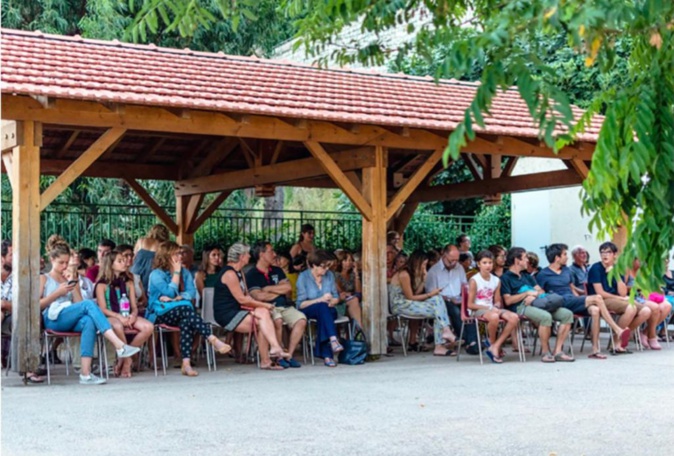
<point>34,63</point>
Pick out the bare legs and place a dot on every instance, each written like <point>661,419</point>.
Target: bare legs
<point>262,318</point>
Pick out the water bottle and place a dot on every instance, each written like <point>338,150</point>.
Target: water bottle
<point>124,306</point>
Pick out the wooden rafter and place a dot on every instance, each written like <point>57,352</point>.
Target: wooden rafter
<point>278,173</point>
<point>412,184</point>
<point>337,174</point>
<point>473,189</point>
<point>7,162</point>
<point>509,166</point>
<point>580,167</point>
<point>89,114</point>
<point>219,153</point>
<point>208,211</point>
<point>111,170</point>
<point>152,204</point>
<point>98,148</point>
<point>144,157</point>
<point>472,167</point>
<point>66,146</point>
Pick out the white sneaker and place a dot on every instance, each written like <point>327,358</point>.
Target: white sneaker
<point>91,380</point>
<point>127,351</point>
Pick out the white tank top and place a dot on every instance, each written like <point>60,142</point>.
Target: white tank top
<point>485,290</point>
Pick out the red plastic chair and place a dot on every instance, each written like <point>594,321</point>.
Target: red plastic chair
<point>67,335</point>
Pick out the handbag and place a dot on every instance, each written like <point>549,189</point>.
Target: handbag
<point>547,302</point>
<point>160,308</point>
<point>355,349</point>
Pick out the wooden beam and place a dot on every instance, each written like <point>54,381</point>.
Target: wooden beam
<point>272,174</point>
<point>375,299</point>
<point>155,119</point>
<point>144,157</point>
<point>26,313</point>
<point>506,145</point>
<point>219,153</point>
<point>474,189</point>
<point>580,167</point>
<point>187,208</point>
<point>509,166</point>
<point>336,173</point>
<point>98,148</point>
<point>66,146</point>
<point>280,145</point>
<point>7,161</point>
<point>152,204</point>
<point>492,169</point>
<point>10,135</point>
<point>404,217</point>
<point>353,177</point>
<point>248,153</point>
<point>413,182</point>
<point>112,169</point>
<point>468,160</point>
<point>215,204</point>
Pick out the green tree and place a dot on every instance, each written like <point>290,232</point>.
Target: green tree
<point>630,183</point>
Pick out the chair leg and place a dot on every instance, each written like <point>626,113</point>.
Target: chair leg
<point>403,324</point>
<point>67,341</point>
<point>163,350</point>
<point>460,340</point>
<point>479,340</point>
<point>154,352</point>
<point>311,343</point>
<point>46,357</point>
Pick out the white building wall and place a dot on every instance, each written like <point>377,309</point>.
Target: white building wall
<point>544,217</point>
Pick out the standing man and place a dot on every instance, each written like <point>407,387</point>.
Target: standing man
<point>557,278</point>
<point>579,269</point>
<point>448,275</point>
<point>614,293</point>
<point>523,296</point>
<point>104,247</point>
<point>269,283</point>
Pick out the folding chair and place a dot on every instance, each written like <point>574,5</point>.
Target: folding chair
<point>161,329</point>
<point>466,318</point>
<point>67,335</point>
<point>310,334</point>
<point>404,325</point>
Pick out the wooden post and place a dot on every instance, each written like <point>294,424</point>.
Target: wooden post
<point>375,295</point>
<point>26,246</point>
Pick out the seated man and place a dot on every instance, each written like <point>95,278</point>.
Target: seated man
<point>614,294</point>
<point>557,278</point>
<point>448,275</point>
<point>523,296</point>
<point>269,283</point>
<point>579,269</point>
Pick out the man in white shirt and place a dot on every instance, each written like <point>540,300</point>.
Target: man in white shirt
<point>448,275</point>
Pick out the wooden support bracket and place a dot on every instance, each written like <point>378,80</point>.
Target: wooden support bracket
<point>152,204</point>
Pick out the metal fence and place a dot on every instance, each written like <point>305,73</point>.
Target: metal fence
<point>85,226</point>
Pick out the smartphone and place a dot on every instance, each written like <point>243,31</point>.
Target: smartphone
<point>72,282</point>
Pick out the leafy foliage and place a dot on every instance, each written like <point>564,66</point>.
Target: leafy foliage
<point>630,183</point>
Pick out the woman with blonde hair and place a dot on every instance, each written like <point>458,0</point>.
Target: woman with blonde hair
<point>64,310</point>
<point>145,250</point>
<point>171,293</point>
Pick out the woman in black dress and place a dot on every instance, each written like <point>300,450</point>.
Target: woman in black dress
<point>231,293</point>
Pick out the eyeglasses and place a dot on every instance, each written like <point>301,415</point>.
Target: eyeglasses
<point>128,255</point>
<point>606,252</point>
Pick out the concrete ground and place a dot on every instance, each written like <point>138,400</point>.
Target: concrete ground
<point>419,405</point>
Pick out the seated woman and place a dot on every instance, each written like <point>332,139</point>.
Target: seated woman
<point>660,309</point>
<point>64,310</point>
<point>305,245</point>
<point>484,300</point>
<point>211,262</point>
<point>317,297</point>
<point>407,297</point>
<point>349,285</point>
<point>171,292</point>
<point>231,293</point>
<point>145,250</point>
<point>141,296</point>
<point>115,283</point>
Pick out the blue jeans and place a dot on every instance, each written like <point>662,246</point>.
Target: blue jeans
<point>325,317</point>
<point>84,317</point>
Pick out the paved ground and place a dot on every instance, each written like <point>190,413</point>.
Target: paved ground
<point>418,405</point>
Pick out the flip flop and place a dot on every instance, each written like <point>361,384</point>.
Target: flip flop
<point>34,378</point>
<point>329,362</point>
<point>625,337</point>
<point>272,367</point>
<point>597,356</point>
<point>447,353</point>
<point>494,359</point>
<point>548,358</point>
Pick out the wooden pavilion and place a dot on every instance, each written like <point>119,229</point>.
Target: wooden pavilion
<point>213,123</point>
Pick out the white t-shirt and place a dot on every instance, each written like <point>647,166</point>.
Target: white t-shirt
<point>486,289</point>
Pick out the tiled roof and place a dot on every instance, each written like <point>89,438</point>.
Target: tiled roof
<point>71,67</point>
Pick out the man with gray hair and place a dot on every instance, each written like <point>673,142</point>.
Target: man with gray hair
<point>188,259</point>
<point>579,269</point>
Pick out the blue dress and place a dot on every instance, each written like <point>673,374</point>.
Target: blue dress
<point>142,266</point>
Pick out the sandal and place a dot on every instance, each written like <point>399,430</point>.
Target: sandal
<point>329,362</point>
<point>220,346</point>
<point>32,377</point>
<point>625,337</point>
<point>564,358</point>
<point>336,346</point>
<point>188,372</point>
<point>271,367</point>
<point>447,353</point>
<point>494,359</point>
<point>654,345</point>
<point>548,358</point>
<point>596,355</point>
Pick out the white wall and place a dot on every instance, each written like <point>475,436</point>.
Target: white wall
<point>544,217</point>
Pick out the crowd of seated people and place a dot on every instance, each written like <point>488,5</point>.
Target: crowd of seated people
<point>275,295</point>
